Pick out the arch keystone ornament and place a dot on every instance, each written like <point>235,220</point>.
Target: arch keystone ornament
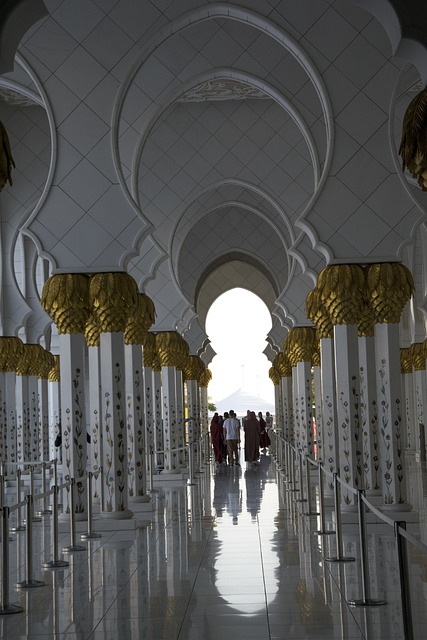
<point>389,288</point>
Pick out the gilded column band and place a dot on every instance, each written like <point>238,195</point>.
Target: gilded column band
<point>65,298</point>
<point>55,372</point>
<point>171,348</point>
<point>341,289</point>
<point>299,344</point>
<point>389,287</point>
<point>417,356</point>
<point>140,320</point>
<point>316,312</point>
<point>112,298</point>
<point>11,351</point>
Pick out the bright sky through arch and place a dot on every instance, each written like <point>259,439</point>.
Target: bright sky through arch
<point>237,325</point>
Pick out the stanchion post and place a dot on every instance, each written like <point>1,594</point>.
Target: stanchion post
<point>46,509</point>
<point>5,606</point>
<point>90,533</point>
<point>191,464</point>
<point>2,482</point>
<point>34,517</point>
<point>322,531</point>
<point>19,526</point>
<point>56,562</point>
<point>301,481</point>
<point>73,546</point>
<point>338,534</point>
<point>366,600</point>
<point>29,582</point>
<point>307,475</point>
<point>404,581</point>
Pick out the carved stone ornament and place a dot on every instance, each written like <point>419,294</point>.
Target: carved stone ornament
<point>222,89</point>
<point>65,298</point>
<point>389,287</point>
<point>112,298</point>
<point>341,288</point>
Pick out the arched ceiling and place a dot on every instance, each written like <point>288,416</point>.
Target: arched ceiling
<point>204,145</point>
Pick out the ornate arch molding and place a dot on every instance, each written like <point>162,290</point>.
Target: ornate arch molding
<point>16,17</point>
<point>402,20</point>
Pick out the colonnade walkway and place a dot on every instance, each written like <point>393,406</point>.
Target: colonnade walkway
<point>231,556</point>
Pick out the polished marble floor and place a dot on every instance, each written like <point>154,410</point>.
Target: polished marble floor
<point>230,557</point>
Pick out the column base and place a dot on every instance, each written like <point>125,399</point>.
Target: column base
<point>116,515</point>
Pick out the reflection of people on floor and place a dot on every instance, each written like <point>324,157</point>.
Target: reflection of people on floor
<point>234,497</point>
<point>219,495</point>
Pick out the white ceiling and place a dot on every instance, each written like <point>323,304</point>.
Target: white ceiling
<point>205,145</point>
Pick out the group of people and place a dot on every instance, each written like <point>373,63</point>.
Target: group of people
<point>225,436</point>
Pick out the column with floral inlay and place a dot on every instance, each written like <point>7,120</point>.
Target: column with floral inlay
<point>180,403</point>
<point>389,287</point>
<point>284,368</point>
<point>408,395</point>
<point>46,365</point>
<point>299,345</point>
<point>11,350</point>
<point>418,358</point>
<point>93,339</point>
<point>113,299</point>
<point>27,388</point>
<point>55,407</point>
<point>148,356</point>
<point>316,311</point>
<point>137,326</point>
<point>193,370</point>
<point>341,288</point>
<point>65,298</point>
<point>204,379</point>
<point>171,352</point>
<point>159,438</point>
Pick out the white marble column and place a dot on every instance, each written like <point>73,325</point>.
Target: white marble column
<point>389,390</point>
<point>370,458</point>
<point>317,384</point>
<point>159,440</point>
<point>389,288</point>
<point>44,439</point>
<point>11,351</point>
<point>408,395</point>
<point>10,419</point>
<point>180,439</point>
<point>113,299</point>
<point>172,351</point>
<point>73,421</point>
<point>54,408</point>
<point>95,411</point>
<point>288,422</point>
<point>300,345</point>
<point>420,395</point>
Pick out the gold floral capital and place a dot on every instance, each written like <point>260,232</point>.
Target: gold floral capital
<point>413,143</point>
<point>140,320</point>
<point>300,344</point>
<point>282,365</point>
<point>316,312</point>
<point>149,351</point>
<point>171,348</point>
<point>205,378</point>
<point>55,372</point>
<point>32,361</point>
<point>418,356</point>
<point>11,351</point>
<point>92,332</point>
<point>113,298</point>
<point>194,368</point>
<point>65,298</point>
<point>274,376</point>
<point>389,287</point>
<point>341,289</point>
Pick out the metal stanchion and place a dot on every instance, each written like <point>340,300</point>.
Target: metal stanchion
<point>190,481</point>
<point>89,534</point>
<point>46,510</point>
<point>339,557</point>
<point>56,562</point>
<point>322,531</point>
<point>19,526</point>
<point>366,600</point>
<point>301,481</point>
<point>29,582</point>
<point>404,581</point>
<point>73,546</point>
<point>34,517</point>
<point>307,475</point>
<point>292,483</point>
<point>5,606</point>
<point>2,483</point>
